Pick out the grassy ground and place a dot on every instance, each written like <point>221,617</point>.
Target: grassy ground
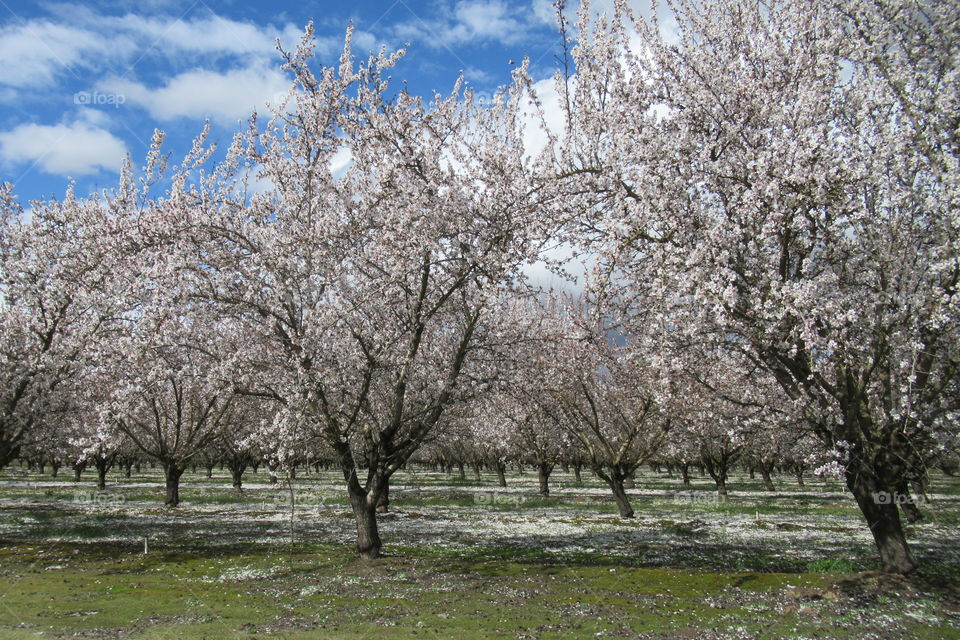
<point>464,560</point>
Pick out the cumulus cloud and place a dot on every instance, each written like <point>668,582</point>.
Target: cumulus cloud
<point>544,11</point>
<point>470,21</point>
<point>64,149</point>
<point>35,53</point>
<point>340,162</point>
<point>539,126</point>
<point>223,97</point>
<point>211,34</point>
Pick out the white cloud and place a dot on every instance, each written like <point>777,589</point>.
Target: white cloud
<point>75,149</point>
<point>35,53</point>
<point>363,42</point>
<point>93,117</point>
<point>470,21</point>
<point>483,20</point>
<point>206,35</point>
<point>253,182</point>
<point>475,75</point>
<point>222,97</point>
<point>538,127</point>
<point>38,52</point>
<point>545,11</point>
<point>340,162</point>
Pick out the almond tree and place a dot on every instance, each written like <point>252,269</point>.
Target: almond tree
<point>616,395</point>
<point>53,265</point>
<point>236,443</point>
<point>172,403</point>
<point>172,387</point>
<point>790,169</point>
<point>368,294</point>
<point>531,429</point>
<point>168,367</point>
<point>492,436</point>
<point>764,452</point>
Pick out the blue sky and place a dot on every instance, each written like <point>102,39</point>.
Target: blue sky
<point>83,85</point>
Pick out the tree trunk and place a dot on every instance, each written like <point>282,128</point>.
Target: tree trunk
<point>907,504</point>
<point>751,472</point>
<point>767,480</point>
<point>77,470</point>
<point>368,536</point>
<point>236,473</point>
<point>501,473</point>
<point>576,472</point>
<point>799,474</point>
<point>718,468</point>
<point>172,473</point>
<point>543,477</point>
<point>615,480</point>
<point>685,473</point>
<point>54,469</point>
<point>102,476</point>
<point>8,452</point>
<point>721,487</point>
<point>879,508</point>
<point>463,473</point>
<point>629,482</point>
<point>476,471</point>
<point>383,502</point>
<point>920,488</point>
<point>210,470</point>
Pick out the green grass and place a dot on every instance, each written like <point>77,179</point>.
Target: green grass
<point>833,565</point>
<point>321,591</point>
<point>209,577</point>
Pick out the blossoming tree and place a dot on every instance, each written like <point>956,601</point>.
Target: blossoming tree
<point>368,292</point>
<point>790,167</point>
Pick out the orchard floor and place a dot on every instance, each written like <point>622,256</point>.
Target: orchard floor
<point>463,560</point>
